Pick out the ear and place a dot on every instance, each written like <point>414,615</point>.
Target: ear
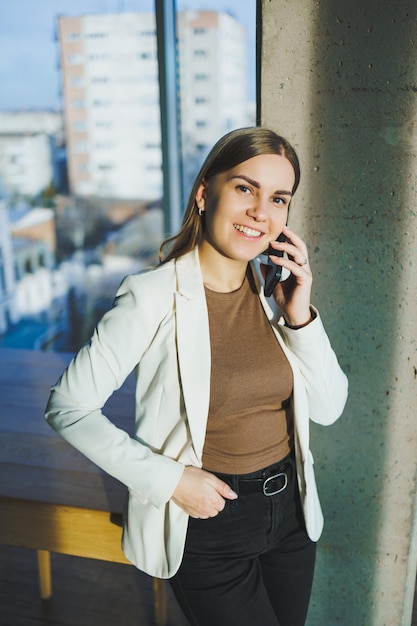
<point>200,196</point>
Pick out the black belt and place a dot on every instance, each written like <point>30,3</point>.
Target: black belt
<point>269,481</point>
<point>269,486</point>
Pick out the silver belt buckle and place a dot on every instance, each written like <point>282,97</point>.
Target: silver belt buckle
<point>267,481</point>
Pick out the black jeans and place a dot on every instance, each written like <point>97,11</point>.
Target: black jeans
<point>253,563</point>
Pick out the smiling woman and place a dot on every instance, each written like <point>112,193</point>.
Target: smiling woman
<point>227,381</point>
<point>230,151</point>
<point>245,209</point>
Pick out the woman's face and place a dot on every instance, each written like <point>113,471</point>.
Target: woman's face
<point>246,207</point>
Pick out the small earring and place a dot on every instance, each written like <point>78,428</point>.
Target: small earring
<point>200,206</point>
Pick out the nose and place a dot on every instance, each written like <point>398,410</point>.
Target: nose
<point>257,211</point>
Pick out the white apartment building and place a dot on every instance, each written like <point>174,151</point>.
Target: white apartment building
<point>8,307</point>
<point>111,94</point>
<point>212,70</point>
<point>25,149</point>
<point>25,162</point>
<point>40,122</point>
<point>110,85</point>
<point>29,282</point>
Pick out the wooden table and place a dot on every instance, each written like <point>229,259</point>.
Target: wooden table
<point>52,498</point>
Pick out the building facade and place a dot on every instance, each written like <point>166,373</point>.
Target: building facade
<point>25,162</point>
<point>111,102</point>
<point>212,83</point>
<point>40,122</point>
<point>111,96</point>
<point>8,306</point>
<point>28,150</point>
<point>212,71</point>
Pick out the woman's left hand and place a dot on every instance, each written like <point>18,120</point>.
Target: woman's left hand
<point>293,294</point>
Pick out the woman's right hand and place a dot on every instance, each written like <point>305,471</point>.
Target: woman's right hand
<point>201,494</point>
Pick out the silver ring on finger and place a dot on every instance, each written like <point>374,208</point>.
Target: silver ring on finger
<point>303,262</point>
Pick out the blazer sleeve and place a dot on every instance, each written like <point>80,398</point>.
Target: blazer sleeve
<point>325,383</point>
<point>75,404</point>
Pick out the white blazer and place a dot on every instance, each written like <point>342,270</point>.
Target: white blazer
<point>159,325</point>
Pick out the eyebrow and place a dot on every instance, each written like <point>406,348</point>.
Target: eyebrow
<point>257,185</point>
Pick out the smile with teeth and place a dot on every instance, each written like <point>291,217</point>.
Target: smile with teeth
<point>247,231</point>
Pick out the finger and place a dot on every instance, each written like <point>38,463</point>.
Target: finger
<point>292,237</point>
<point>296,250</point>
<point>294,254</point>
<point>300,271</point>
<point>303,262</point>
<point>223,488</point>
<point>207,509</point>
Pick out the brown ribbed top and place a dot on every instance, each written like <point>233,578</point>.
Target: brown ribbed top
<point>249,425</point>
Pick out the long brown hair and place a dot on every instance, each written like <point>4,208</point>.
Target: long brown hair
<point>231,150</point>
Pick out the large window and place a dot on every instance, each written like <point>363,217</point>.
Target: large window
<point>81,118</point>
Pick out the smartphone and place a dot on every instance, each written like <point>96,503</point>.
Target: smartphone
<point>273,272</point>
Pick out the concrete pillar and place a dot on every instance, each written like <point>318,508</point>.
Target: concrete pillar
<point>339,79</point>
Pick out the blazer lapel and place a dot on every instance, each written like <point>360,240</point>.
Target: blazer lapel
<point>193,346</point>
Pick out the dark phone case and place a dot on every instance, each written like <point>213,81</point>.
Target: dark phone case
<point>273,272</point>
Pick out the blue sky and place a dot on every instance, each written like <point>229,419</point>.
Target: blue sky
<point>29,76</point>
